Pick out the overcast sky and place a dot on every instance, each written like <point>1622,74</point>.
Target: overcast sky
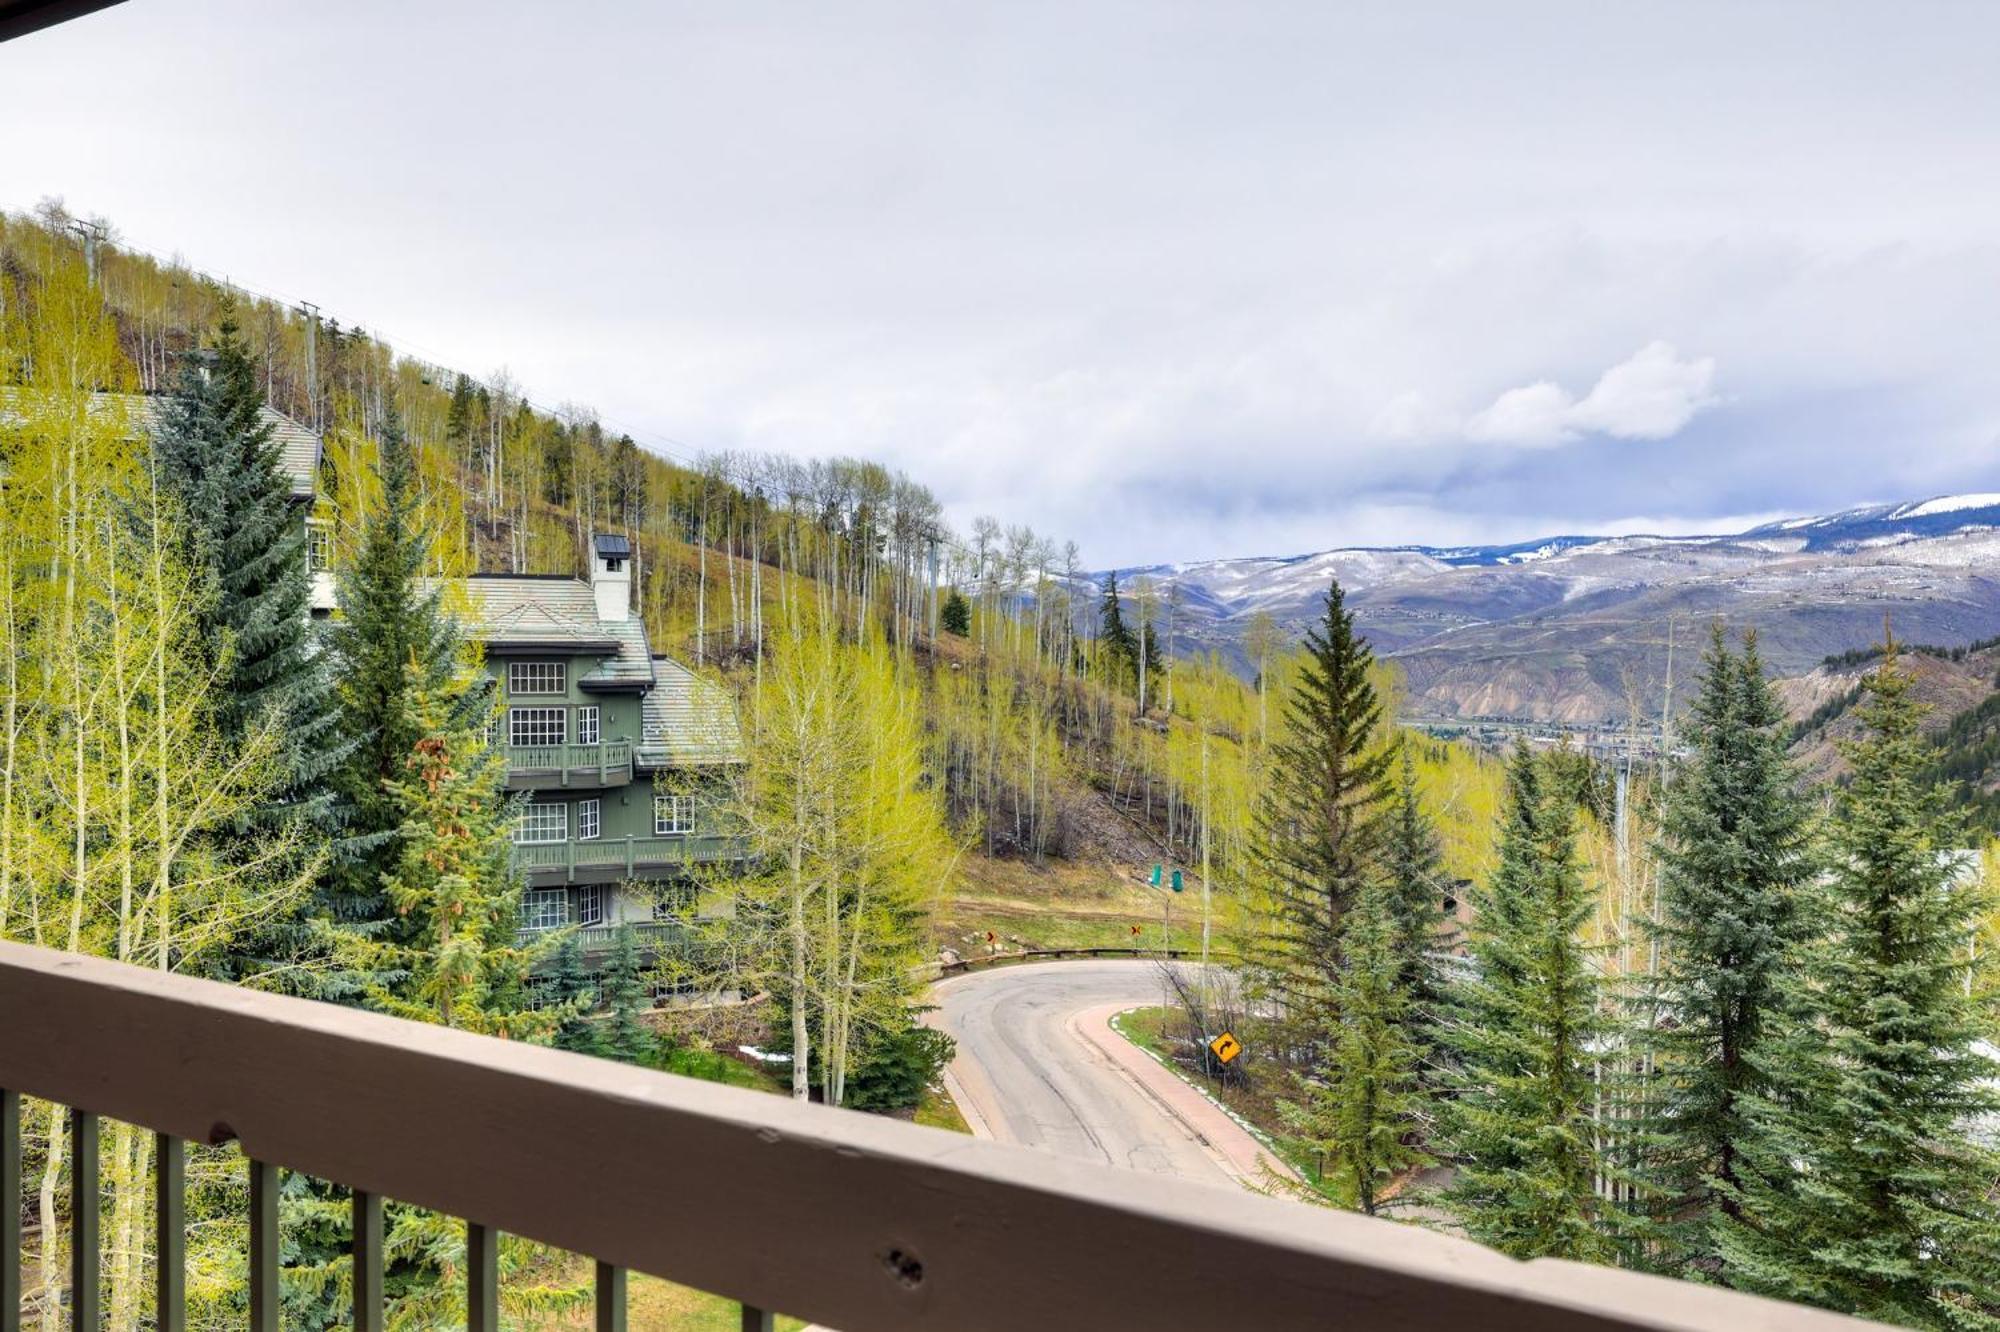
<point>1173,281</point>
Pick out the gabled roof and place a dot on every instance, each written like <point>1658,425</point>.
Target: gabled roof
<point>561,614</point>
<point>299,445</point>
<point>688,721</point>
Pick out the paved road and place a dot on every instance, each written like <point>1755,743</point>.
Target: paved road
<point>1038,1066</point>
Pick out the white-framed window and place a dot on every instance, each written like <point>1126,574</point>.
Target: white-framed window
<point>537,726</point>
<point>672,815</point>
<point>537,677</point>
<point>589,819</point>
<point>588,730</point>
<point>319,547</point>
<point>545,908</point>
<point>590,904</point>
<point>538,823</point>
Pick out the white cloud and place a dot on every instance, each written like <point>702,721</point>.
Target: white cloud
<point>1651,395</point>
<point>1535,415</point>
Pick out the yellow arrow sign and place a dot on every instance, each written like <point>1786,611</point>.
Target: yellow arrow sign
<point>1226,1047</point>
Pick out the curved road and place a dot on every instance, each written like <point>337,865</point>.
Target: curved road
<point>1039,1066</point>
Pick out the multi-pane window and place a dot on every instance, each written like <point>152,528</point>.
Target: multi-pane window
<point>536,726</point>
<point>545,908</point>
<point>589,819</point>
<point>590,904</point>
<point>538,823</point>
<point>537,677</point>
<point>319,548</point>
<point>588,731</point>
<point>672,815</point>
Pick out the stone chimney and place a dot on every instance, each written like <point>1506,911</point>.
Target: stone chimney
<point>611,577</point>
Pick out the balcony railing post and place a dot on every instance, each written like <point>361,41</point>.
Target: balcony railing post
<point>367,1262</point>
<point>482,1278</point>
<point>85,1296</point>
<point>610,1298</point>
<point>170,1231</point>
<point>263,1246</point>
<point>630,864</point>
<point>10,1211</point>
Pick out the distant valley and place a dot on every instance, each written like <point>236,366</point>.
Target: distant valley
<point>1576,628</point>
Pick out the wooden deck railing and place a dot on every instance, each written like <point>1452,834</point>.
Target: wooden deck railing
<point>856,1222</point>
<point>606,764</point>
<point>633,855</point>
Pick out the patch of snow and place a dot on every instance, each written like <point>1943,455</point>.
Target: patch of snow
<point>1948,504</point>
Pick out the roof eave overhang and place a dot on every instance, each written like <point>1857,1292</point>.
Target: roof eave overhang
<point>515,647</point>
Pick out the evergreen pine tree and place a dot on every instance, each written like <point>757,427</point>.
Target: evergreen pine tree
<point>1526,1030</point>
<point>246,541</point>
<point>393,644</point>
<point>1120,646</point>
<point>1320,826</point>
<point>1860,1186</point>
<point>1362,1109</point>
<point>956,615</point>
<point>626,1036</point>
<point>1414,864</point>
<point>1733,858</point>
<point>575,997</point>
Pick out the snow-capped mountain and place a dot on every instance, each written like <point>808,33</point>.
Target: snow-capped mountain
<point>1570,627</point>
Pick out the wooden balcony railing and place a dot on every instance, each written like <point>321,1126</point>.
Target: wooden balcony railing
<point>856,1222</point>
<point>633,855</point>
<point>607,764</point>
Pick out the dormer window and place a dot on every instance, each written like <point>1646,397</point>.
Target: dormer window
<point>537,677</point>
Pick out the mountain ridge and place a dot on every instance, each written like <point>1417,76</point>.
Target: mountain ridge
<point>1571,628</point>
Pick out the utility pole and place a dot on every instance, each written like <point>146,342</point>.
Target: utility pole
<point>311,313</point>
<point>92,235</point>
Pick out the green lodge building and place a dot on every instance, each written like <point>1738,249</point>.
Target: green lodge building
<point>622,760</point>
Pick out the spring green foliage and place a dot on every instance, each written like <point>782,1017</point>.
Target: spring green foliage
<point>1860,1188</point>
<point>1734,857</point>
<point>851,848</point>
<point>1526,1029</point>
<point>1321,823</point>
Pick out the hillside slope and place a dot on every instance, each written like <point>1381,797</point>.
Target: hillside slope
<point>1959,686</point>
